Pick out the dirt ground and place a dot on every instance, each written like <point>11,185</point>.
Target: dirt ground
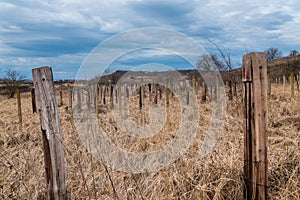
<point>218,175</point>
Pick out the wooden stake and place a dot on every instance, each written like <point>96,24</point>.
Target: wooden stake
<point>104,93</point>
<point>255,123</point>
<point>51,132</point>
<point>204,91</point>
<point>230,90</point>
<point>70,96</point>
<point>292,80</point>
<point>96,98</point>
<point>218,89</point>
<point>234,89</point>
<point>156,94</point>
<point>269,84</point>
<point>19,107</point>
<point>167,97</point>
<point>141,100</point>
<point>79,92</point>
<point>33,101</point>
<point>60,95</point>
<point>112,96</point>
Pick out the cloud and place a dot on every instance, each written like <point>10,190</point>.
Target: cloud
<point>49,31</point>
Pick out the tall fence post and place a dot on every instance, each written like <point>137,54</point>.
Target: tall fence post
<point>19,107</point>
<point>51,133</point>
<point>204,91</point>
<point>230,90</point>
<point>269,84</point>
<point>255,153</point>
<point>292,80</point>
<point>61,94</point>
<point>70,96</point>
<point>96,98</point>
<point>33,101</point>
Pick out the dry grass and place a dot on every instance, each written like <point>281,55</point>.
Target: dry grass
<point>217,176</point>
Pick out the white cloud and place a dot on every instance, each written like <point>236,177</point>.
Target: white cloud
<point>46,31</point>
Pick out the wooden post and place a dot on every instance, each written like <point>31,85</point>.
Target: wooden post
<point>79,98</point>
<point>33,101</point>
<point>194,83</point>
<point>112,96</point>
<point>211,93</point>
<point>204,91</point>
<point>167,97</point>
<point>127,92</point>
<point>187,97</point>
<point>70,96</point>
<point>297,81</point>
<point>96,98</point>
<point>119,89</point>
<point>60,95</point>
<point>218,89</point>
<point>51,132</point>
<point>269,84</point>
<point>150,92</point>
<point>255,123</point>
<point>230,90</point>
<point>292,80</point>
<point>141,99</point>
<point>234,89</point>
<point>19,107</point>
<point>156,94</point>
<point>104,93</point>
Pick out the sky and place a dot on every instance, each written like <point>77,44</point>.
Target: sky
<point>64,33</point>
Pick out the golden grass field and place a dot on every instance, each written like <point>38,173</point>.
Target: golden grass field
<point>219,175</point>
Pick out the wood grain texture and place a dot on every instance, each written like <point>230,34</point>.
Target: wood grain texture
<point>51,131</point>
<point>255,80</point>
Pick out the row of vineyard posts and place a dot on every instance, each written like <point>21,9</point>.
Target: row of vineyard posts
<point>96,94</point>
<point>109,94</point>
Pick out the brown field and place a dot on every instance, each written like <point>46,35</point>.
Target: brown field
<point>219,175</point>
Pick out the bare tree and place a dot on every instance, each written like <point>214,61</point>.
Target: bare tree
<point>228,65</point>
<point>226,58</point>
<point>273,53</point>
<point>209,63</point>
<point>293,53</point>
<point>12,80</point>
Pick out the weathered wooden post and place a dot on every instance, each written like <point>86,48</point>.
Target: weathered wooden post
<point>96,98</point>
<point>150,92</point>
<point>79,97</point>
<point>187,97</point>
<point>70,96</point>
<point>204,91</point>
<point>297,81</point>
<point>156,94</point>
<point>127,92</point>
<point>112,96</point>
<point>167,97</point>
<point>269,84</point>
<point>33,101</point>
<point>230,90</point>
<point>104,93</point>
<point>234,89</point>
<point>61,95</point>
<point>218,89</point>
<point>194,84</point>
<point>51,133</point>
<point>255,123</point>
<point>292,80</point>
<point>19,107</point>
<point>141,98</point>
